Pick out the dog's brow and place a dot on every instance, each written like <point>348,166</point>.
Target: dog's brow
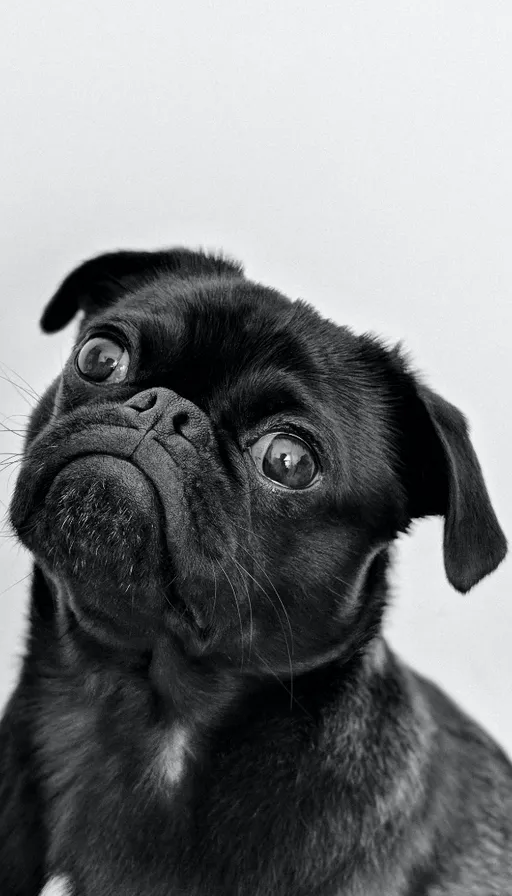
<point>251,406</point>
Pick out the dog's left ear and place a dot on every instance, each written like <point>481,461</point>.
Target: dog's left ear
<point>447,480</point>
<point>101,281</point>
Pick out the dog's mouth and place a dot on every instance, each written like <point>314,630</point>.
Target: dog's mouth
<point>111,531</point>
<point>104,508</point>
<point>121,444</point>
<point>96,503</point>
<point>99,527</point>
<point>82,468</point>
<point>106,471</point>
<point>129,523</point>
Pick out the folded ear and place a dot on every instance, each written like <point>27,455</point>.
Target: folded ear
<point>448,481</point>
<point>99,282</point>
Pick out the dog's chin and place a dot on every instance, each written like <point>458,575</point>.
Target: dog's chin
<point>100,525</point>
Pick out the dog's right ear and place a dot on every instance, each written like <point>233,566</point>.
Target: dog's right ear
<point>445,478</point>
<point>99,282</point>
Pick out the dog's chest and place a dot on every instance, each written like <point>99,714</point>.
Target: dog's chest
<point>149,812</point>
<point>112,795</point>
<point>144,811</point>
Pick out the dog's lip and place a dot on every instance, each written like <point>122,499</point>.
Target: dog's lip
<point>97,439</point>
<point>144,450</point>
<point>140,483</point>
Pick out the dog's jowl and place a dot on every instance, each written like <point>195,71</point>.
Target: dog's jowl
<point>210,492</point>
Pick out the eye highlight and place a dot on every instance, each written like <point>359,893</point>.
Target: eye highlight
<point>285,459</point>
<point>103,360</point>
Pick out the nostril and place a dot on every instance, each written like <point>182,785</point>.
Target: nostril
<point>144,401</point>
<point>180,420</point>
<point>151,400</point>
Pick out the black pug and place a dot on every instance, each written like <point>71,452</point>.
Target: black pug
<point>210,491</point>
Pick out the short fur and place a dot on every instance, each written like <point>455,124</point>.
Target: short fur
<point>207,706</point>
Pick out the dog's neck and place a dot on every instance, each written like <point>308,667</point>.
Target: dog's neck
<point>172,688</point>
<point>158,733</point>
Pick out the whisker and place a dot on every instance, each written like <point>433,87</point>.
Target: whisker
<point>166,586</point>
<point>27,576</point>
<point>293,699</point>
<point>289,647</point>
<point>239,615</point>
<point>250,532</point>
<point>21,390</point>
<point>251,625</point>
<point>14,416</point>
<point>332,591</point>
<point>23,380</point>
<point>8,467</point>
<point>13,468</point>
<point>274,589</point>
<point>15,432</point>
<point>212,612</point>
<point>343,581</point>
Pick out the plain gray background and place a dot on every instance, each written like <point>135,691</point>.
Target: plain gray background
<point>355,154</point>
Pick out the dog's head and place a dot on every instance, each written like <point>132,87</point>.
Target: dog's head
<point>222,464</point>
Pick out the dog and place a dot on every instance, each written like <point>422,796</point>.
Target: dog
<point>211,491</point>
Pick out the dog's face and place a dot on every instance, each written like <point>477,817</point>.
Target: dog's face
<point>221,465</point>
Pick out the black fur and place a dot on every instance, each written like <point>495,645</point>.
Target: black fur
<point>207,707</point>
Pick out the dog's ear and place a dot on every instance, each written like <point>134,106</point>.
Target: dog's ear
<point>447,480</point>
<point>100,281</point>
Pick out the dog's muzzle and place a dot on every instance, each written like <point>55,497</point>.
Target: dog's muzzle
<point>156,436</point>
<point>119,478</point>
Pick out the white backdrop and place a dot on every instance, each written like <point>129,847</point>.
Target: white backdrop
<point>357,154</point>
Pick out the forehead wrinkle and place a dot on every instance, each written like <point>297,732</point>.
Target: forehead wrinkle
<point>151,322</point>
<point>239,316</point>
<point>235,315</point>
<point>200,338</point>
<point>262,392</point>
<point>219,348</point>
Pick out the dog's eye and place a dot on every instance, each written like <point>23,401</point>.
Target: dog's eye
<point>103,360</point>
<point>285,459</point>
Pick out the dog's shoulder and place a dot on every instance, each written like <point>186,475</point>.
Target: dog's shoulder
<point>22,838</point>
<point>469,810</point>
<point>465,736</point>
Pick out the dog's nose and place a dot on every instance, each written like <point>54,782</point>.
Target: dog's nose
<point>168,413</point>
